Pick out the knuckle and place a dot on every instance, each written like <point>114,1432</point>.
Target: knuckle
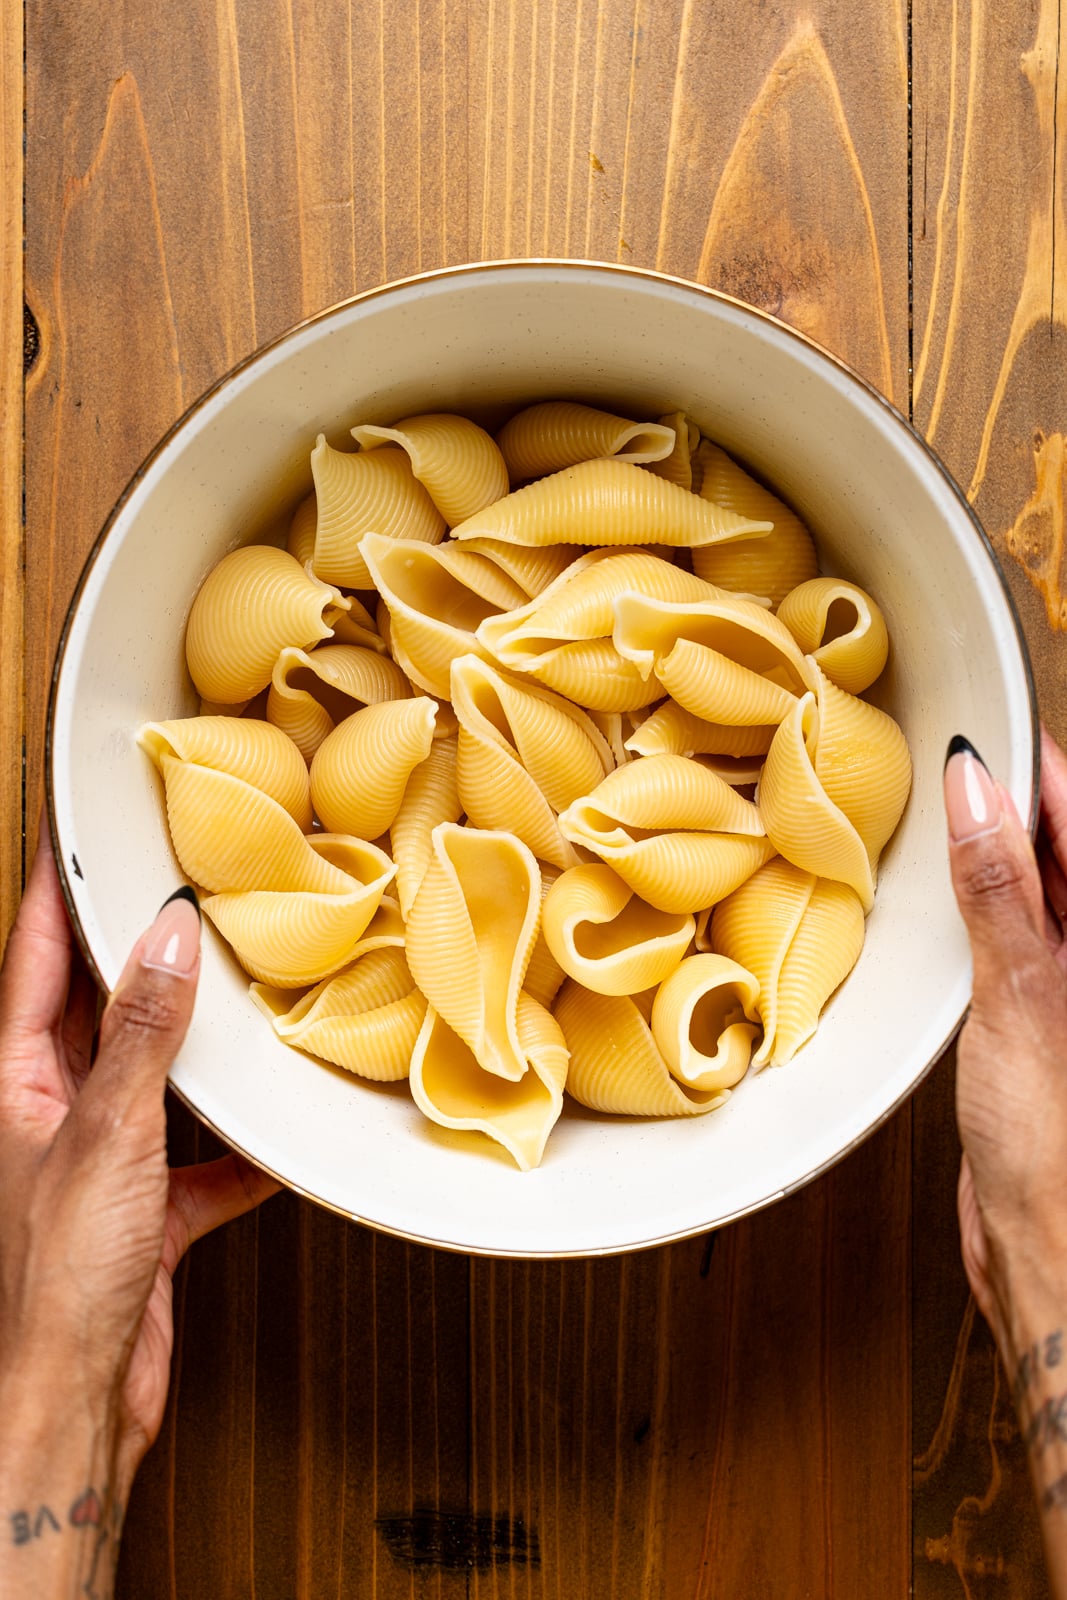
<point>992,878</point>
<point>144,1011</point>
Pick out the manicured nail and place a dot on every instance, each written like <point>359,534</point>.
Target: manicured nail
<point>970,793</point>
<point>173,942</point>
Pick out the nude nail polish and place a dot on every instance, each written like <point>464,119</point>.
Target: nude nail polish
<point>970,793</point>
<point>173,942</point>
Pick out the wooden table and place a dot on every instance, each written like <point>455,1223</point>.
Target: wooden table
<point>803,1405</point>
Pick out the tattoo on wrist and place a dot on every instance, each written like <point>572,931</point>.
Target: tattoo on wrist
<point>1043,1356</point>
<point>97,1516</point>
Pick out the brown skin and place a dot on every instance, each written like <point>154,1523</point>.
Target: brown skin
<point>1011,1101</point>
<point>92,1227</point>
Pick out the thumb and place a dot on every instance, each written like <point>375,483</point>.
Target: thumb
<point>997,884</point>
<point>149,1010</point>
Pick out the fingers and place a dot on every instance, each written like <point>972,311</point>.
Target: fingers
<point>147,1015</point>
<point>997,884</point>
<point>36,973</point>
<point>204,1197</point>
<point>1054,797</point>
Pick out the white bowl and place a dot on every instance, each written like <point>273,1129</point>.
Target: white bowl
<point>885,514</point>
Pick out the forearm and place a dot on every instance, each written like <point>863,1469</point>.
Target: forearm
<point>60,1502</point>
<point>1031,1329</point>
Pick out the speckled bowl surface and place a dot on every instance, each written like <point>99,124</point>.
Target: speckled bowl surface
<point>475,339</point>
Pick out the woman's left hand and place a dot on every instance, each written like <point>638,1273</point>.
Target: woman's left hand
<point>92,1227</point>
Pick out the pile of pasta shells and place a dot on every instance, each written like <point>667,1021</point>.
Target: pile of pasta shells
<point>536,764</point>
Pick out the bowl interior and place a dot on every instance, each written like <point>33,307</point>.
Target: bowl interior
<point>478,340</point>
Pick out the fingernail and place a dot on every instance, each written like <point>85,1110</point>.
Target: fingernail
<point>173,942</point>
<point>970,793</point>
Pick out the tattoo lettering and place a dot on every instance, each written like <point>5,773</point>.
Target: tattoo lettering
<point>24,1527</point>
<point>1054,1495</point>
<point>1045,1355</point>
<point>21,1532</point>
<point>1048,1425</point>
<point>44,1513</point>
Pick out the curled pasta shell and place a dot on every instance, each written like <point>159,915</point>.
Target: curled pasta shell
<point>355,625</point>
<point>605,937</point>
<point>431,796</point>
<point>311,691</point>
<point>677,834</point>
<point>435,599</point>
<point>678,466</point>
<point>286,938</point>
<point>724,659</point>
<point>452,1089</point>
<point>301,541</point>
<point>524,755</point>
<point>241,746</point>
<point>615,1063</point>
<point>839,624</point>
<point>606,503</point>
<point>365,1019</point>
<point>248,608</point>
<point>863,764</point>
<point>672,730</point>
<point>533,570</point>
<point>800,936</point>
<point>559,433</point>
<point>802,822</point>
<point>769,566</point>
<point>563,637</point>
<point>365,491</point>
<point>704,1020</point>
<point>457,463</point>
<point>228,835</point>
<point>360,771</point>
<point>544,974</point>
<point>471,931</point>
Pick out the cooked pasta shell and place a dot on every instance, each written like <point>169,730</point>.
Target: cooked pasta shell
<point>228,835</point>
<point>360,771</point>
<point>435,597</point>
<point>769,566</point>
<point>678,466</point>
<point>285,938</point>
<point>450,1087</point>
<point>615,1064</point>
<point>802,822</point>
<point>311,691</point>
<point>704,1020</point>
<point>248,608</point>
<point>457,463</point>
<point>243,747</point>
<point>431,796</point>
<point>616,727</point>
<point>607,938</point>
<point>672,730</point>
<point>606,503</point>
<point>533,570</point>
<point>365,491</point>
<point>525,754</point>
<point>563,637</point>
<point>678,835</point>
<point>839,624</point>
<point>863,764</point>
<point>800,936</point>
<point>544,975</point>
<point>560,433</point>
<point>725,659</point>
<point>470,934</point>
<point>301,541</point>
<point>365,1019</point>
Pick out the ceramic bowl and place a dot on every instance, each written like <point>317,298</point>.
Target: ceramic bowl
<point>477,339</point>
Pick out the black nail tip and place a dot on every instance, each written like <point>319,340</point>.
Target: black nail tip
<point>958,745</point>
<point>184,893</point>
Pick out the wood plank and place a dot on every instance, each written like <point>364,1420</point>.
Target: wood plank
<point>990,336</point>
<point>351,1413</point>
<point>12,816</point>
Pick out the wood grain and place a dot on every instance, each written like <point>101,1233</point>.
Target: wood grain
<point>990,392</point>
<point>11,539</point>
<point>725,1417</point>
